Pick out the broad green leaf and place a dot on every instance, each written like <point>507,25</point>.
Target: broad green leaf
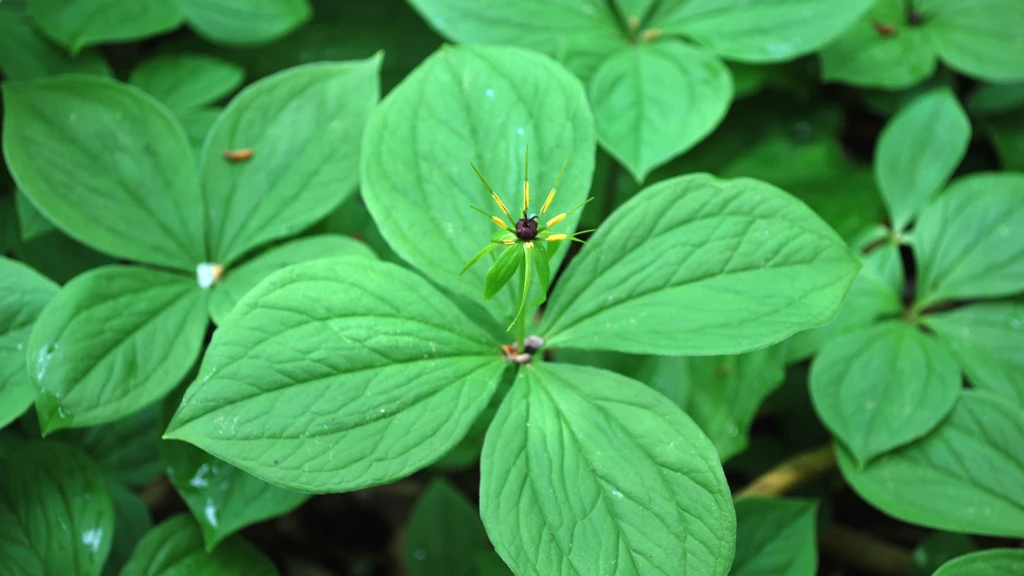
<point>580,33</point>
<point>987,340</point>
<point>882,50</point>
<point>991,99</point>
<point>775,536</point>
<point>352,218</point>
<point>1002,561</point>
<point>696,265</point>
<point>758,32</point>
<point>80,23</point>
<point>131,521</point>
<point>56,509</point>
<point>57,256</point>
<point>566,479</point>
<point>480,105</point>
<point>937,549</point>
<point>245,22</point>
<point>966,476</point>
<point>444,535</point>
<point>23,295</point>
<point>26,55</point>
<point>368,374</point>
<point>237,281</point>
<point>197,123</point>
<point>113,341</point>
<point>980,38</point>
<point>304,126</point>
<point>1006,131</point>
<point>108,164</point>
<point>30,221</point>
<point>182,81</point>
<point>654,101</point>
<point>883,386</point>
<point>918,151</point>
<point>175,548</point>
<point>126,449</point>
<point>965,240</point>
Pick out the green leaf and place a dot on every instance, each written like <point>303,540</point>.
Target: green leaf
<point>131,522</point>
<point>237,281</point>
<point>1002,561</point>
<point>368,375</point>
<point>126,449</point>
<point>304,126</point>
<point>107,164</point>
<point>542,263</point>
<point>991,99</point>
<point>80,23</point>
<point>113,341</point>
<point>882,50</point>
<point>197,123</point>
<point>31,223</point>
<point>937,549</point>
<point>581,33</point>
<point>654,101</point>
<point>883,386</point>
<point>980,38</point>
<point>59,257</point>
<point>918,151</point>
<point>964,241</point>
<point>26,55</point>
<point>483,105</point>
<point>966,476</point>
<point>23,295</point>
<point>696,265</point>
<point>58,517</point>
<point>775,536</point>
<point>503,269</point>
<point>566,479</point>
<point>175,548</point>
<point>987,340</point>
<point>444,535</point>
<point>633,10</point>
<point>758,32</point>
<point>245,22</point>
<point>182,81</point>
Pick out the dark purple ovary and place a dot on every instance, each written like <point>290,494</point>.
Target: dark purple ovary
<point>526,228</point>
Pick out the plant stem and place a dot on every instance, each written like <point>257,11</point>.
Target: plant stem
<point>792,473</point>
<point>519,329</point>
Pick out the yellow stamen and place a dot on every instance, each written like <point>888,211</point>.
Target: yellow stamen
<point>526,195</point>
<point>555,220</point>
<point>547,203</point>
<point>499,222</point>
<point>556,237</point>
<point>528,245</point>
<point>500,204</point>
<point>512,242</point>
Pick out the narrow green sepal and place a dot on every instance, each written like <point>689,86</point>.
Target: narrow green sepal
<point>487,250</point>
<point>502,270</point>
<point>527,262</point>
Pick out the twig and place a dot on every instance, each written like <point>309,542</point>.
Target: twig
<point>792,473</point>
<point>864,551</point>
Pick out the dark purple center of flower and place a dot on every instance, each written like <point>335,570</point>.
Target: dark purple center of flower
<point>526,228</point>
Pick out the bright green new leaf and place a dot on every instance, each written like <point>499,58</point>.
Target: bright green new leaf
<point>504,268</point>
<point>108,164</point>
<point>483,105</point>
<point>183,81</point>
<point>113,341</point>
<point>175,548</point>
<point>918,151</point>
<point>987,340</point>
<point>696,265</point>
<point>126,449</point>
<point>580,33</point>
<point>1002,561</point>
<point>23,295</point>
<point>882,50</point>
<point>304,126</point>
<point>883,386</point>
<point>80,23</point>
<point>966,242</point>
<point>444,535</point>
<point>585,471</point>
<point>31,223</point>
<point>966,476</point>
<point>237,281</point>
<point>775,536</point>
<point>26,55</point>
<point>654,101</point>
<point>56,509</point>
<point>981,38</point>
<point>758,32</point>
<point>339,374</point>
<point>245,22</point>
<point>131,521</point>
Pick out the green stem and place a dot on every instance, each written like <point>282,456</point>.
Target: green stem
<point>519,329</point>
